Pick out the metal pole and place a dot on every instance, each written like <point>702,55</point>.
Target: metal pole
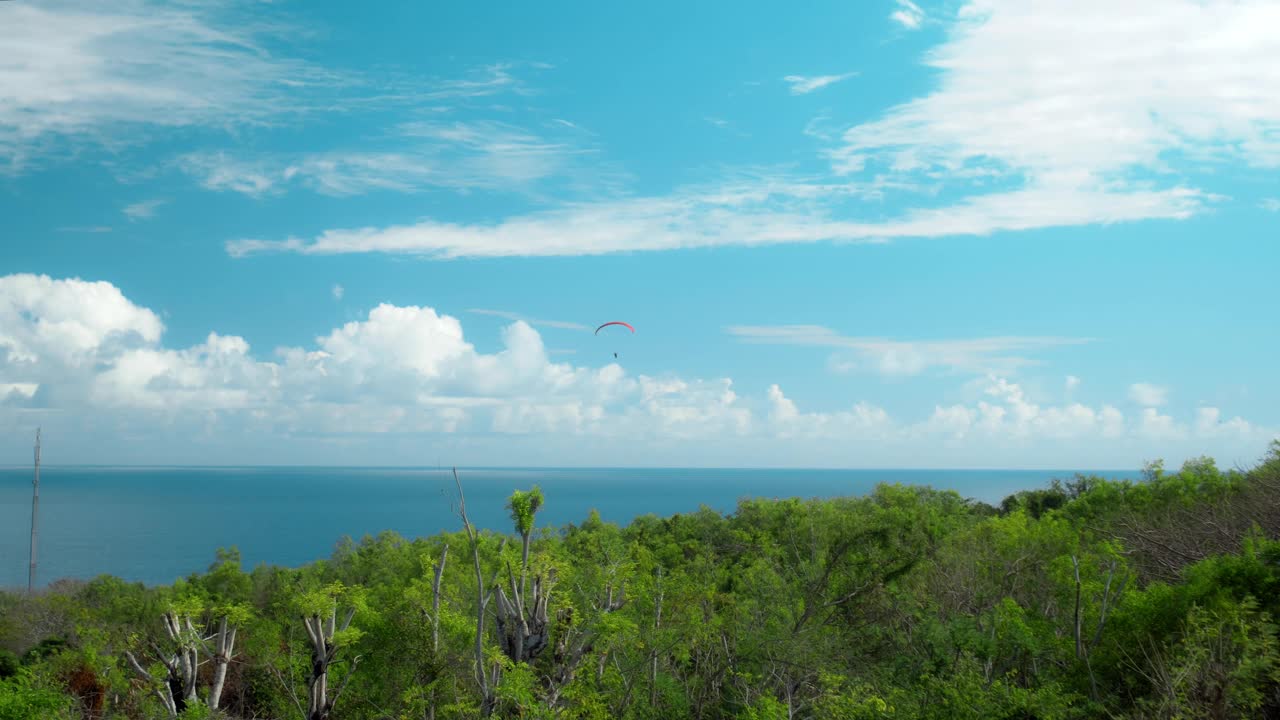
<point>35,506</point>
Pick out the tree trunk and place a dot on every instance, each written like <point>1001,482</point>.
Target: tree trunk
<point>435,625</point>
<point>487,698</point>
<point>224,648</point>
<point>323,653</point>
<point>653,654</point>
<point>161,691</point>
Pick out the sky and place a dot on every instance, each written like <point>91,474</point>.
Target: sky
<point>983,233</point>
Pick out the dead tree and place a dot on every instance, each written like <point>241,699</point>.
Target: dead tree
<point>181,660</point>
<point>321,630</point>
<point>435,623</point>
<point>486,679</point>
<point>522,619</point>
<point>223,650</point>
<point>577,640</point>
<point>435,600</point>
<point>653,654</point>
<point>1085,646</point>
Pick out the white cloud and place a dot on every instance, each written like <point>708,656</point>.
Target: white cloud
<point>1270,204</point>
<point>67,322</point>
<point>861,422</point>
<point>1072,382</point>
<point>508,315</point>
<point>1148,395</point>
<point>142,210</point>
<point>93,362</point>
<point>803,85</point>
<point>908,15</point>
<point>91,229</point>
<point>337,291</point>
<point>755,213</point>
<point>1091,101</point>
<point>1158,426</point>
<point>91,72</point>
<point>458,156</point>
<point>906,357</point>
<point>1209,424</point>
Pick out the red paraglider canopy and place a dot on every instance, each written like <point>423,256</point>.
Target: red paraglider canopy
<point>615,322</point>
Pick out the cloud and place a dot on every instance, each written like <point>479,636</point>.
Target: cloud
<point>1072,382</point>
<point>486,81</point>
<point>93,73</point>
<point>92,229</point>
<point>1148,395</point>
<point>1209,423</point>
<point>1270,205</point>
<point>758,213</point>
<point>1014,416</point>
<point>457,156</point>
<point>142,210</point>
<point>94,364</point>
<point>561,324</point>
<point>803,85</point>
<point>1087,101</point>
<point>337,291</point>
<point>903,357</point>
<point>68,322</point>
<point>908,15</point>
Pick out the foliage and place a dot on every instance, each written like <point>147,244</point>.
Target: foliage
<point>1086,598</point>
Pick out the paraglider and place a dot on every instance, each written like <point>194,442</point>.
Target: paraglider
<point>615,322</point>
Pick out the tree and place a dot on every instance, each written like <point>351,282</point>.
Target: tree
<point>328,636</point>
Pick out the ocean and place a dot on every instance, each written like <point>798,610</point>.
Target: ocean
<point>156,524</point>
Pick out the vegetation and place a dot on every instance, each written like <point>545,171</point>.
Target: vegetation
<point>1091,598</point>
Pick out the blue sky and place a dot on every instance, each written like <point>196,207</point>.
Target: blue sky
<point>880,234</point>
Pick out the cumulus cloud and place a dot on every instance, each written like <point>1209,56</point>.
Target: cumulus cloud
<point>1148,395</point>
<point>68,322</point>
<point>84,350</point>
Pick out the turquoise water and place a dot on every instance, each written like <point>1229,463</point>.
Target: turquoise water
<point>156,524</point>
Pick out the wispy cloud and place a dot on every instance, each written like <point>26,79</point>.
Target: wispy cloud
<point>802,85</point>
<point>908,15</point>
<point>142,210</point>
<point>1270,204</point>
<point>85,229</point>
<point>506,315</point>
<point>907,357</point>
<point>456,155</point>
<point>1087,99</point>
<point>337,291</point>
<point>88,72</point>
<point>753,214</point>
<point>487,81</point>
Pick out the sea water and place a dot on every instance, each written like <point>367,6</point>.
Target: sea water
<point>155,524</point>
